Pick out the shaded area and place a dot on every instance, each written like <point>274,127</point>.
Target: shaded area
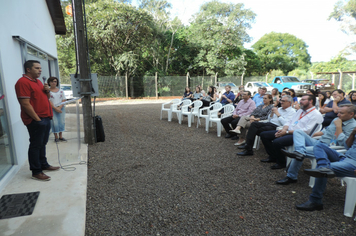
<point>153,177</point>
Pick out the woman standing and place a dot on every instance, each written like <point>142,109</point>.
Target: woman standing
<point>57,96</point>
<point>260,113</point>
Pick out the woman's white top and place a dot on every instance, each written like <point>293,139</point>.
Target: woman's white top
<point>57,97</point>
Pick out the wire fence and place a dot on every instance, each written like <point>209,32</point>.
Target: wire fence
<point>115,86</point>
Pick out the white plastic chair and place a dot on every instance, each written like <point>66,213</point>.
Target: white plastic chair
<point>257,142</point>
<point>168,109</point>
<point>194,111</point>
<point>215,106</point>
<point>228,110</point>
<point>350,198</point>
<point>175,108</point>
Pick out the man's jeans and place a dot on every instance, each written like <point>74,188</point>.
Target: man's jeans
<point>327,157</point>
<point>303,144</point>
<point>39,134</point>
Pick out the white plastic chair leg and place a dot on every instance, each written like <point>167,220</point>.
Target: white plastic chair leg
<point>313,166</point>
<point>218,126</point>
<point>170,115</point>
<point>207,124</point>
<point>190,120</point>
<point>161,115</point>
<point>350,198</point>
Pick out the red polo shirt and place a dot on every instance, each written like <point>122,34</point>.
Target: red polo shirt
<point>33,89</point>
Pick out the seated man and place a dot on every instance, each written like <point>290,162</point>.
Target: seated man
<point>243,108</point>
<point>330,163</point>
<point>331,109</point>
<point>258,98</point>
<point>335,134</point>
<point>304,119</point>
<point>278,117</point>
<point>228,96</point>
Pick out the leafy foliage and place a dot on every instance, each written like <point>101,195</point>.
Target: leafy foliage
<point>282,51</point>
<point>346,14</point>
<point>219,31</point>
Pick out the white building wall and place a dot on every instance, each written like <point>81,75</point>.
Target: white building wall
<point>29,19</point>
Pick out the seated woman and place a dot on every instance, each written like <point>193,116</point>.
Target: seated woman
<point>275,97</point>
<point>295,98</point>
<point>210,97</point>
<point>260,113</point>
<point>187,93</point>
<point>323,100</point>
<point>197,95</point>
<point>352,97</point>
<point>238,97</point>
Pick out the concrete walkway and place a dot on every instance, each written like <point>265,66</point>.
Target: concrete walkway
<point>61,205</point>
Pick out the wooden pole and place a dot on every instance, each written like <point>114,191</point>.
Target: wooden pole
<point>127,87</point>
<point>156,83</point>
<point>216,77</point>
<point>84,70</point>
<point>266,78</point>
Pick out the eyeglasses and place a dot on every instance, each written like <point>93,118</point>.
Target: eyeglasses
<point>284,101</point>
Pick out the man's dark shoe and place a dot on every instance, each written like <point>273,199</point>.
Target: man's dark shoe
<point>268,160</point>
<point>320,172</point>
<point>242,146</point>
<point>41,177</point>
<point>309,206</point>
<point>286,181</point>
<point>245,153</point>
<point>296,155</point>
<point>235,138</point>
<point>277,166</point>
<point>51,168</point>
<point>228,135</point>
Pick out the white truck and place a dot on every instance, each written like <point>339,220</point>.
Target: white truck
<point>253,87</point>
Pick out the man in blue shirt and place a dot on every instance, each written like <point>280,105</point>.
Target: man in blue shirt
<point>258,98</point>
<point>335,134</point>
<point>330,163</point>
<point>331,109</point>
<point>228,96</point>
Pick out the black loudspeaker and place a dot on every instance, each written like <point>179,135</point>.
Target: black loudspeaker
<point>99,130</point>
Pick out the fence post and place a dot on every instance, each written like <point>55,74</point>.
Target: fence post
<point>340,79</point>
<point>333,79</point>
<point>187,79</point>
<point>216,77</point>
<point>156,83</point>
<point>127,87</point>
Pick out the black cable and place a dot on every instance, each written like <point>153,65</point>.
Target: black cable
<point>69,167</point>
<point>75,40</point>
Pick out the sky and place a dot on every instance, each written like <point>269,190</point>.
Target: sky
<point>305,19</point>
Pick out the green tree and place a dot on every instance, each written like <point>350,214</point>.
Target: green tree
<point>334,65</point>
<point>219,31</point>
<point>282,51</point>
<point>346,14</point>
<point>253,64</point>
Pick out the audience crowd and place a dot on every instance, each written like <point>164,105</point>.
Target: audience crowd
<point>316,124</point>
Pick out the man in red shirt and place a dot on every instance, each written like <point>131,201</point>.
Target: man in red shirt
<point>36,114</point>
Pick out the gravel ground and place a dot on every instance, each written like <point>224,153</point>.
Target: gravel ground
<point>153,177</point>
